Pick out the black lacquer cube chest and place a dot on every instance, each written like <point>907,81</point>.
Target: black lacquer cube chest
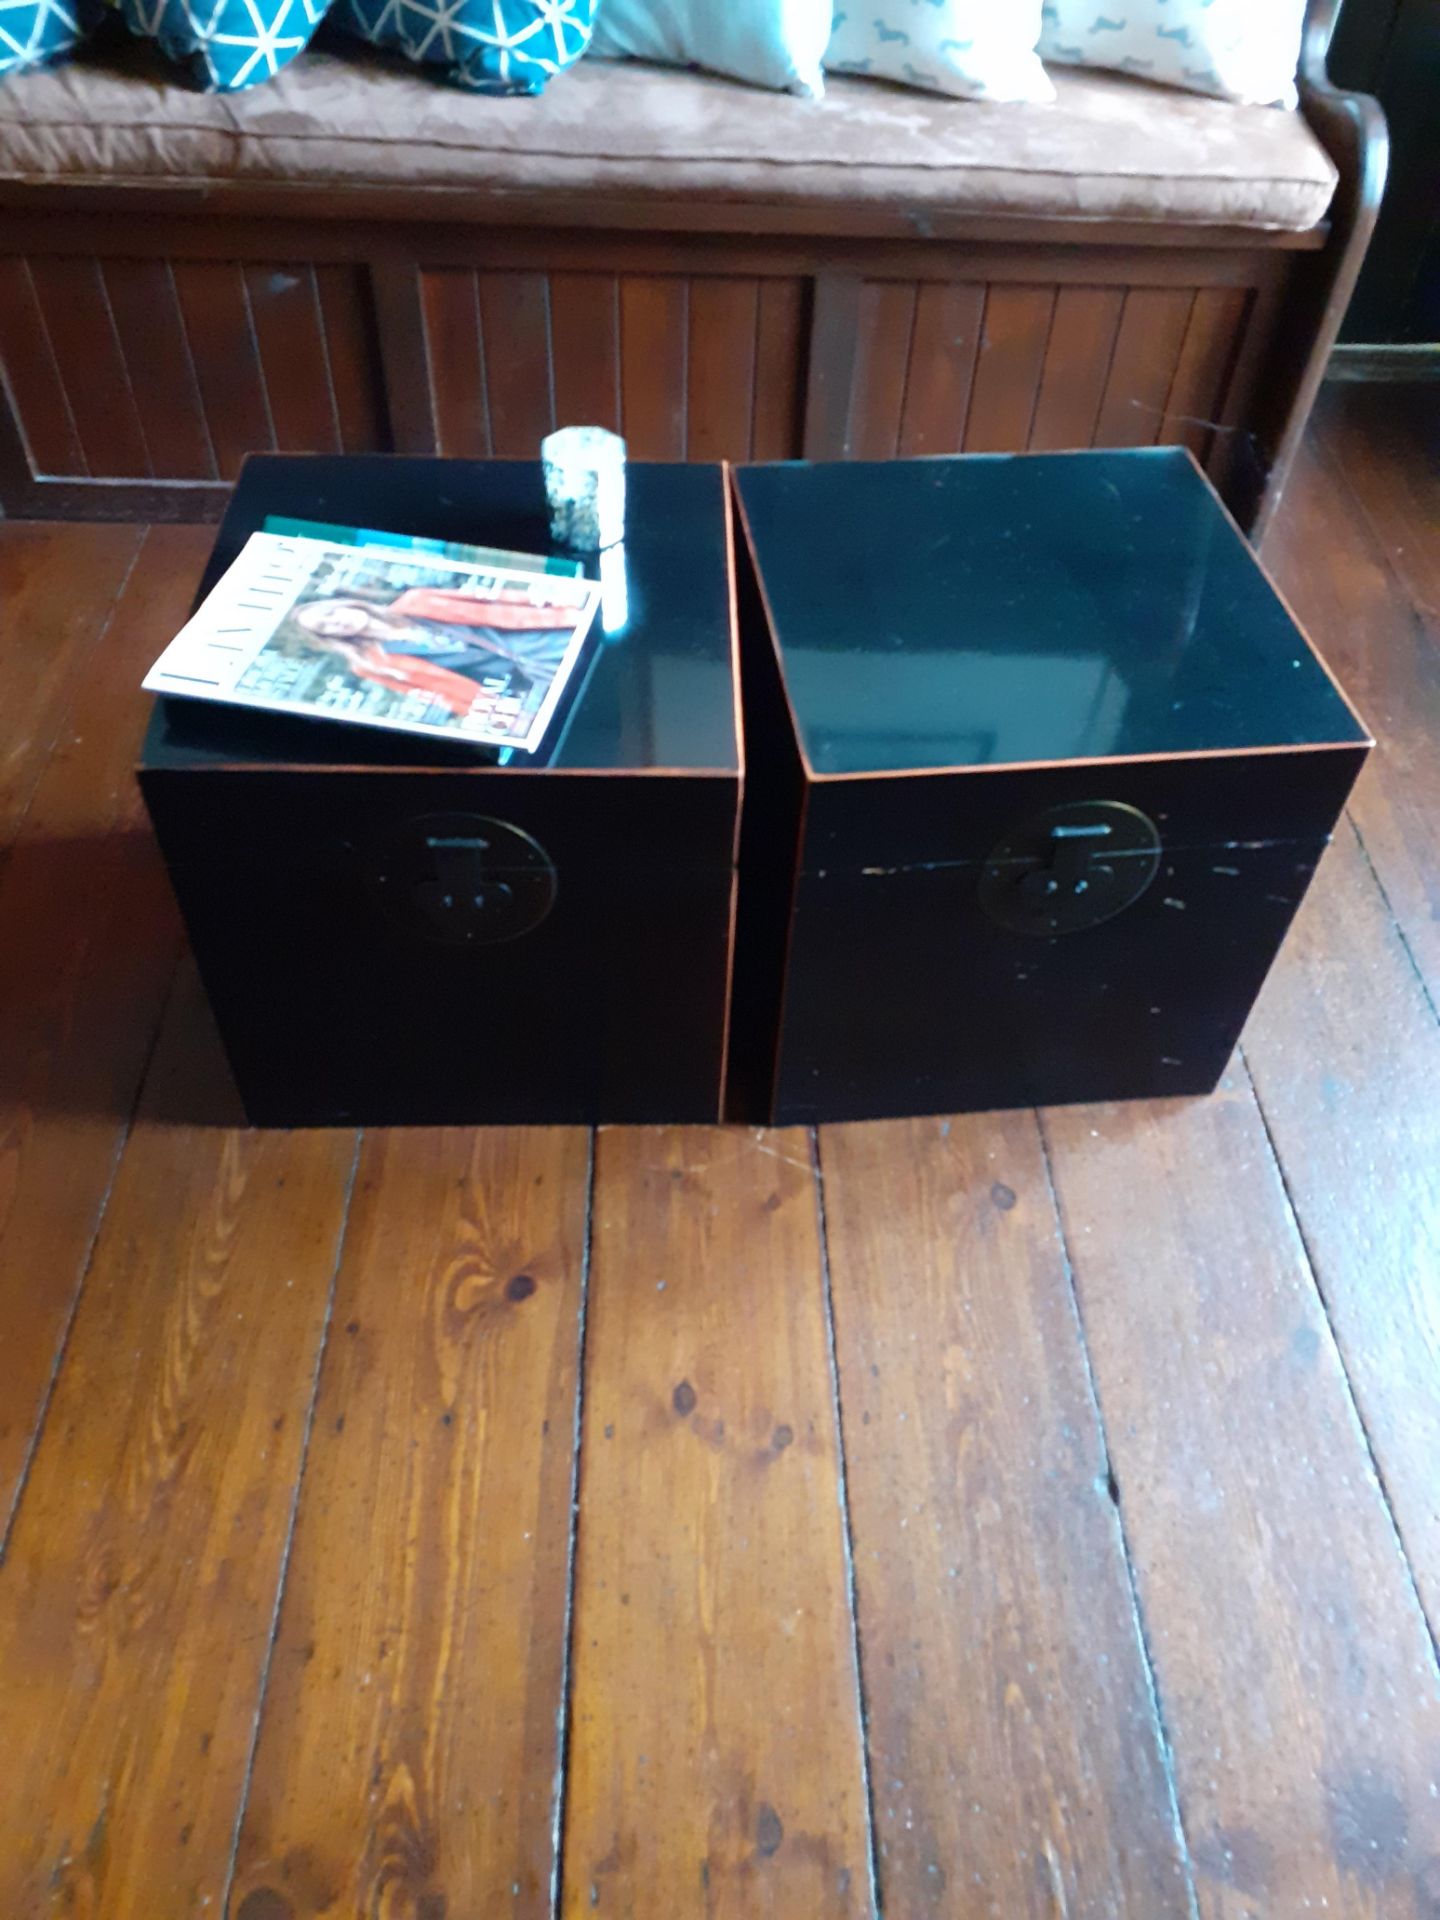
<point>1041,768</point>
<point>394,931</point>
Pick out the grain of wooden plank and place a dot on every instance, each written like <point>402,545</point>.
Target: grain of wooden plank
<point>77,316</point>
<point>720,400</point>
<point>152,341</point>
<point>1196,400</point>
<point>227,366</point>
<point>37,392</point>
<point>139,1589</point>
<point>585,349</point>
<point>1344,1050</point>
<point>353,355</point>
<point>515,327</point>
<point>943,347</point>
<point>57,587</point>
<point>1077,365</point>
<point>397,292</point>
<point>1386,440</point>
<point>290,337</point>
<point>410,1734</point>
<point>887,326</point>
<point>779,357</point>
<point>1015,1753</point>
<point>1142,369</point>
<point>452,332</point>
<point>830,363</point>
<point>715,1759</point>
<point>1013,339</point>
<point>88,940</point>
<point>654,335</point>
<point>1343,589</point>
<point>1295,1674</point>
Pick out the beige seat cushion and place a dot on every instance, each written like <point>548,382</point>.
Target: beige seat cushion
<point>1111,148</point>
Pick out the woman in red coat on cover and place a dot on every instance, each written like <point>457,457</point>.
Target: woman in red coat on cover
<point>437,642</point>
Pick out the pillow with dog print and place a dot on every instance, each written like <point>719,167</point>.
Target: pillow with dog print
<point>978,49</point>
<point>1242,50</point>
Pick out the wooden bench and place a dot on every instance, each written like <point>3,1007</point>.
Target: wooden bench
<point>356,257</point>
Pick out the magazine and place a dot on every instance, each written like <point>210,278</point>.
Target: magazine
<point>413,641</point>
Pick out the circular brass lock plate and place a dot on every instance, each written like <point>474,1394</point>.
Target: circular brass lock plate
<point>463,879</point>
<point>1070,868</point>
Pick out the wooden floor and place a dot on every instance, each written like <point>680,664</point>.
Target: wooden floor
<point>1018,1515</point>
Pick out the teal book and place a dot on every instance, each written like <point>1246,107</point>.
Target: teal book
<point>418,543</point>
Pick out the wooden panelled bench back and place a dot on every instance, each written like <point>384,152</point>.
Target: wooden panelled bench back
<point>138,382</point>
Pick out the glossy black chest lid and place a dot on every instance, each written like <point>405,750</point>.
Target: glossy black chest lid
<point>996,610</point>
<point>657,685</point>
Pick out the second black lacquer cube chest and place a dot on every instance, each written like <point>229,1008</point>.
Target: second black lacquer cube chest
<point>1041,766</point>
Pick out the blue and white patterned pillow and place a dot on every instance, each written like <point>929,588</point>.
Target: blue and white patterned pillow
<point>492,46</point>
<point>979,49</point>
<point>1245,50</point>
<point>226,44</point>
<point>34,32</point>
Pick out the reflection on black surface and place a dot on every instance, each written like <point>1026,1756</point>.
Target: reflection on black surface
<point>656,691</point>
<point>998,609</point>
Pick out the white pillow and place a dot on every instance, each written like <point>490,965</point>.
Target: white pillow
<point>1244,50</point>
<point>980,49</point>
<point>771,43</point>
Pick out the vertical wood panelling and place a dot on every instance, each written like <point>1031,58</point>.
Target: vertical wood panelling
<point>397,291</point>
<point>285,310</point>
<point>715,1748</point>
<point>721,369</point>
<point>162,376</point>
<point>445,1413</point>
<point>1015,1754</point>
<point>887,324</point>
<point>830,367</point>
<point>227,368</point>
<point>515,336</point>
<point>779,371</point>
<point>32,378</point>
<point>654,339</point>
<point>353,355</point>
<point>943,347</point>
<point>1142,371</point>
<point>77,318</point>
<point>1013,339</point>
<point>585,349</point>
<point>1197,393</point>
<point>1077,365</point>
<point>457,365</point>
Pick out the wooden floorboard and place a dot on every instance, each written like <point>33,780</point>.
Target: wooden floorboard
<point>1344,1050</point>
<point>1297,1680</point>
<point>1015,1752</point>
<point>88,942</point>
<point>1025,1518</point>
<point>715,1746</point>
<point>410,1738</point>
<point>138,1594</point>
<point>57,588</point>
<point>1326,558</point>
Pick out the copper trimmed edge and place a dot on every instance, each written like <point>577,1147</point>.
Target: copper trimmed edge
<point>1097,760</point>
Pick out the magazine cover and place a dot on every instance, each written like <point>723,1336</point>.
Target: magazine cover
<point>412,641</point>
